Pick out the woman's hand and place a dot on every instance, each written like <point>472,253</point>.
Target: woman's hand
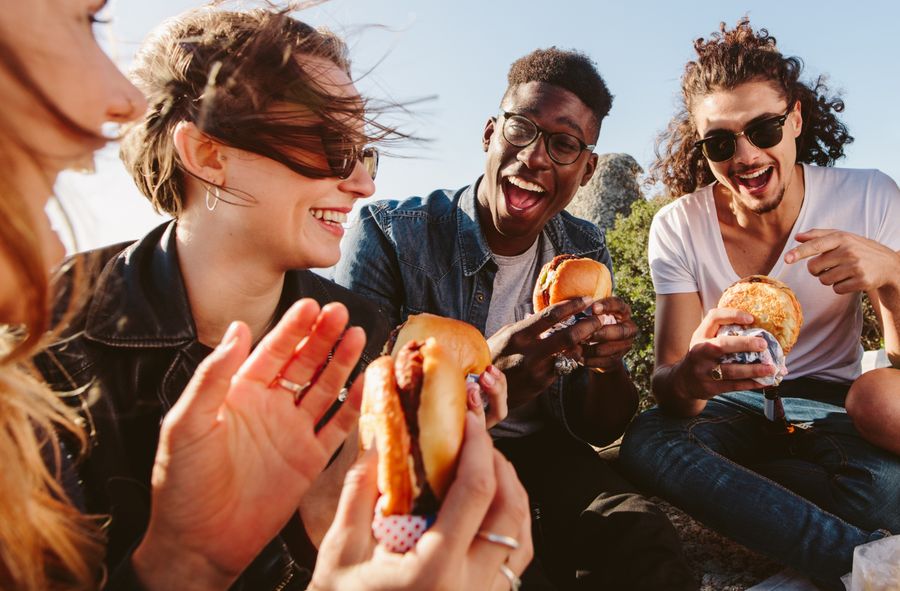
<point>486,497</point>
<point>700,375</point>
<point>492,384</point>
<point>236,453</point>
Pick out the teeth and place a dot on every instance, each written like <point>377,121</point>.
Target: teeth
<point>523,184</point>
<point>329,215</point>
<point>753,175</point>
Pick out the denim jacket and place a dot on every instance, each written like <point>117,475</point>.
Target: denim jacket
<point>430,255</point>
<point>125,358</point>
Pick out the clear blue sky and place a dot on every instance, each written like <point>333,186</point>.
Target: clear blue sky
<point>460,52</point>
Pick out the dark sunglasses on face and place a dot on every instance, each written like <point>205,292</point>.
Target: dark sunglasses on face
<point>520,131</point>
<point>343,165</point>
<point>763,134</point>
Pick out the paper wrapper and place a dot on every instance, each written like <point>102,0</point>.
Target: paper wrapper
<point>399,533</point>
<point>876,566</point>
<point>772,355</point>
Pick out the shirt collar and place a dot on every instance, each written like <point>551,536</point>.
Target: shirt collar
<point>139,297</point>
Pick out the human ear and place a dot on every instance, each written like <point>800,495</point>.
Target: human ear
<point>797,115</point>
<point>201,156</point>
<point>489,127</point>
<point>589,169</point>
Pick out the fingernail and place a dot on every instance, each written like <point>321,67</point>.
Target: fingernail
<point>495,371</point>
<point>747,318</point>
<point>473,398</point>
<point>488,379</point>
<point>789,258</point>
<point>230,335</point>
<point>587,301</point>
<point>761,344</point>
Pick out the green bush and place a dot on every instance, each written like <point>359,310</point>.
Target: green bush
<point>627,242</point>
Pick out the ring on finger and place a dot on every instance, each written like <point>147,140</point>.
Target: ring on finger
<point>298,390</point>
<point>507,541</point>
<point>515,583</point>
<point>564,365</point>
<point>716,373</point>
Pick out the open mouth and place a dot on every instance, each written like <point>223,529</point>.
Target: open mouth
<point>521,194</point>
<point>756,180</point>
<point>333,220</point>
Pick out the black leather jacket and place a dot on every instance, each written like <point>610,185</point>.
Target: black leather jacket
<point>125,358</point>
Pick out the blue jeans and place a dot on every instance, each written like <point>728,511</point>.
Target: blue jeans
<point>804,499</point>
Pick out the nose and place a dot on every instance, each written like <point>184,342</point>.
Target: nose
<point>534,155</point>
<point>359,184</point>
<point>744,150</point>
<point>125,102</point>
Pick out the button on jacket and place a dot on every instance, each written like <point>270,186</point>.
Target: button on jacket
<point>430,255</point>
<point>125,358</point>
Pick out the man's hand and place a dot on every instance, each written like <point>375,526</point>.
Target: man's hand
<point>694,374</point>
<point>527,359</point>
<point>610,342</point>
<point>847,262</point>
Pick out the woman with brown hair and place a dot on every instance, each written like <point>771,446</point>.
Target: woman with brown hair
<point>257,143</point>
<point>229,417</point>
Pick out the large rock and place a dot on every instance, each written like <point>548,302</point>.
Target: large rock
<point>612,190</point>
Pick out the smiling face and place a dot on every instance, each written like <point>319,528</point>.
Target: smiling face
<point>756,178</point>
<point>54,108</point>
<point>523,188</point>
<point>292,221</point>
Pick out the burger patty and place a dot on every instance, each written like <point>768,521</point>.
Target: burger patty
<point>409,374</point>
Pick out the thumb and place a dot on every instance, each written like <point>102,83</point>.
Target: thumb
<point>207,390</point>
<point>357,504</point>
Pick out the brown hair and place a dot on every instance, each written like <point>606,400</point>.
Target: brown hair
<point>45,542</point>
<point>223,71</point>
<point>726,60</point>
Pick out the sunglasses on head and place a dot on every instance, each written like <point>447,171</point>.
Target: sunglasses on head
<point>763,134</point>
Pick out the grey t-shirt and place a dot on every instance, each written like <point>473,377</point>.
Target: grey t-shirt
<point>511,302</point>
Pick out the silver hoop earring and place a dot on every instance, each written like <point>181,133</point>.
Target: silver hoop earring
<point>215,192</point>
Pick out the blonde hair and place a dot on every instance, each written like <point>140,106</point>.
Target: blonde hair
<point>45,542</point>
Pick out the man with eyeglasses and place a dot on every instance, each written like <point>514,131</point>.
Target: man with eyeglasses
<point>751,153</point>
<point>475,254</point>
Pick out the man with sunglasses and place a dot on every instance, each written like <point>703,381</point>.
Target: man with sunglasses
<point>751,153</point>
<point>474,254</point>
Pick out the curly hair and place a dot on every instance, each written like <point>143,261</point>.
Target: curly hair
<point>571,70</point>
<point>726,60</point>
<point>224,71</point>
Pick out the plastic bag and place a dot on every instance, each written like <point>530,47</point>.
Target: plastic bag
<point>876,566</point>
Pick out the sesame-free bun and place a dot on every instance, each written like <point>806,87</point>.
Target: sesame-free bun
<point>459,339</point>
<point>772,303</point>
<point>565,278</point>
<point>441,422</point>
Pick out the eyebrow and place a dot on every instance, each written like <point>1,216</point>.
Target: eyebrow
<point>757,119</point>
<point>561,119</point>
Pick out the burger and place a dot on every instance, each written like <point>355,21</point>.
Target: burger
<point>413,410</point>
<point>567,277</point>
<point>772,304</point>
<point>461,340</point>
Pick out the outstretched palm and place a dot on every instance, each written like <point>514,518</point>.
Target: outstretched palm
<point>236,454</point>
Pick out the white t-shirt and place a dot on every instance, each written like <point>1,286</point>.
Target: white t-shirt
<point>687,255</point>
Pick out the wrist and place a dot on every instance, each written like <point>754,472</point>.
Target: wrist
<point>166,565</point>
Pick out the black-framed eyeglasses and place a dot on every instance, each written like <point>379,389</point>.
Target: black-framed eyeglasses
<point>344,162</point>
<point>563,148</point>
<point>763,134</point>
